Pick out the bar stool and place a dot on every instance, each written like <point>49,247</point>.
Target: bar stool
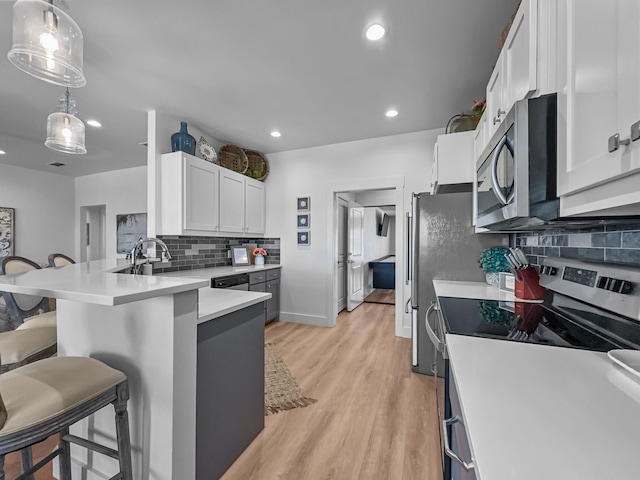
<point>59,260</point>
<point>47,397</point>
<point>22,307</point>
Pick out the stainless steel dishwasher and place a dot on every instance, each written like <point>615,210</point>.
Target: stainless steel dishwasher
<point>233,282</point>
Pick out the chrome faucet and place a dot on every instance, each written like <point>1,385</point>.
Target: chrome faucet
<point>138,248</point>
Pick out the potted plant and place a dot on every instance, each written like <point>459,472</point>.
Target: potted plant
<point>493,260</point>
<point>259,253</point>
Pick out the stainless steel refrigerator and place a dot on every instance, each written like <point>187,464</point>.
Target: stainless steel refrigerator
<point>443,246</point>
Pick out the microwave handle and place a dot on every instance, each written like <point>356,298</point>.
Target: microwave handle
<point>497,191</point>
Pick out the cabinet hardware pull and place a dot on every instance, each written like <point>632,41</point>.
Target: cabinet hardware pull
<point>450,453</point>
<point>496,120</point>
<point>615,142</point>
<point>500,112</point>
<point>635,131</point>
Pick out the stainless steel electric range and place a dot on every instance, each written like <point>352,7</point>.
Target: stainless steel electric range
<point>593,306</point>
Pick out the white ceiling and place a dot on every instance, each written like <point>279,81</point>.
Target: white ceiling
<point>238,69</point>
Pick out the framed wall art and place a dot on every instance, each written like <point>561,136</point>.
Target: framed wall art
<point>129,228</point>
<point>304,238</point>
<point>303,220</point>
<point>304,203</point>
<point>7,231</point>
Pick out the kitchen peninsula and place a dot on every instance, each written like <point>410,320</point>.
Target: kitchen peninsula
<point>150,328</point>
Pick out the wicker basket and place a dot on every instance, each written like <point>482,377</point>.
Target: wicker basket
<point>258,165</point>
<point>233,158</point>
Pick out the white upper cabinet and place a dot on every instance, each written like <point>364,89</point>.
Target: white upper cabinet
<point>598,102</point>
<point>200,198</point>
<point>254,206</point>
<point>242,203</point>
<point>453,160</point>
<point>520,71</point>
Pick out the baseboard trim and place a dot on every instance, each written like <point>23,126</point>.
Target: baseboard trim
<point>314,320</point>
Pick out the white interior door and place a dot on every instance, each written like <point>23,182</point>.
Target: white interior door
<point>343,210</point>
<point>355,272</point>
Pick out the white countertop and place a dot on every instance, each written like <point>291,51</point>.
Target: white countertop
<point>537,412</point>
<point>216,272</point>
<point>94,282</point>
<point>216,302</point>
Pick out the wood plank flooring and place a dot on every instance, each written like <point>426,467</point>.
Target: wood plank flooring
<point>380,295</point>
<point>374,419</point>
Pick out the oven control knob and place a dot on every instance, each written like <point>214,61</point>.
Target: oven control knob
<point>615,285</point>
<point>547,270</point>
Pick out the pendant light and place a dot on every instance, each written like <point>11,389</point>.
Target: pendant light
<point>47,43</point>
<point>65,131</point>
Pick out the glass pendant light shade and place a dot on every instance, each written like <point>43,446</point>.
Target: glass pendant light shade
<point>65,131</point>
<point>47,43</point>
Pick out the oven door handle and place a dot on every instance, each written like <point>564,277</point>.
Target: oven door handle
<point>439,344</point>
<point>497,190</point>
<point>447,449</point>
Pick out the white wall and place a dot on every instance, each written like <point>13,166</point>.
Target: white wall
<point>375,246</point>
<point>307,275</point>
<point>44,204</point>
<point>122,191</point>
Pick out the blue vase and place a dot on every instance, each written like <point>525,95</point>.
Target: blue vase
<point>182,141</point>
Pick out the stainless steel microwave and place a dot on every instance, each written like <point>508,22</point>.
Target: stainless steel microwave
<point>515,185</point>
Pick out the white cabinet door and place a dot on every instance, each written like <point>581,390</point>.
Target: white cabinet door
<point>454,159</point>
<point>598,92</point>
<point>232,201</point>
<point>520,54</point>
<point>200,195</point>
<point>254,206</point>
<point>495,110</point>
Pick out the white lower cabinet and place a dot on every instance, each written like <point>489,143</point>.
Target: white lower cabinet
<point>200,198</point>
<point>598,106</point>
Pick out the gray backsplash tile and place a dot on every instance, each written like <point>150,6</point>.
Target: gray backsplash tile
<point>615,244</point>
<point>191,252</point>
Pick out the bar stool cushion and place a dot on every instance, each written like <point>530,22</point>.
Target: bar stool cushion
<point>45,389</point>
<point>20,347</point>
<point>47,319</point>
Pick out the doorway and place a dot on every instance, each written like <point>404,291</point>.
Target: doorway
<point>365,190</point>
<point>92,232</point>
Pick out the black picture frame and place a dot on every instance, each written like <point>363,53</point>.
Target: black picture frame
<point>240,256</point>
<point>304,204</point>
<point>304,238</point>
<point>304,220</point>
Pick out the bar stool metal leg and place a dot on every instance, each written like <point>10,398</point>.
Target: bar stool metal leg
<point>27,461</point>
<point>65,456</point>
<point>122,431</point>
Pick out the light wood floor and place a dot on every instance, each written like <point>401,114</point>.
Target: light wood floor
<point>380,295</point>
<point>374,419</point>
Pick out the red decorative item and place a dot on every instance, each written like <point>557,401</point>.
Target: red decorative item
<point>528,286</point>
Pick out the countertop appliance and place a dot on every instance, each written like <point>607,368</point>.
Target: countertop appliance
<point>442,245</point>
<point>515,184</point>
<point>592,306</point>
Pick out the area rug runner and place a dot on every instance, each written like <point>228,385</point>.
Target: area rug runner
<point>281,391</point>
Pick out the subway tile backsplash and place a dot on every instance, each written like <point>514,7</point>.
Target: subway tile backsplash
<point>191,252</point>
<point>614,244</point>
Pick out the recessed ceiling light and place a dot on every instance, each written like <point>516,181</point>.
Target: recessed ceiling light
<point>375,32</point>
<point>94,123</point>
<point>276,134</point>
<point>391,113</point>
<point>2,152</point>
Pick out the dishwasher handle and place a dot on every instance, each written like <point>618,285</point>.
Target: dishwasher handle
<point>447,448</point>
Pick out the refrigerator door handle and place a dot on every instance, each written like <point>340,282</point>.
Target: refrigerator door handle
<point>432,335</point>
<point>409,275</point>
